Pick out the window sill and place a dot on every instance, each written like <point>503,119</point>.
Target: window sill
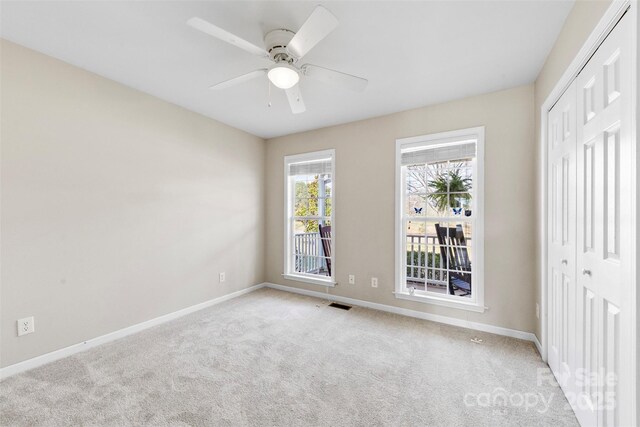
<point>306,279</point>
<point>469,306</point>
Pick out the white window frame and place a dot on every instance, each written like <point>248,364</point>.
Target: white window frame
<point>288,214</point>
<point>476,302</point>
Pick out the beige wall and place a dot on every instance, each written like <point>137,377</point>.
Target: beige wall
<point>365,192</point>
<point>578,26</point>
<point>116,207</point>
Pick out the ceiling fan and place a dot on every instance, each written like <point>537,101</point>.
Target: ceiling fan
<point>285,48</point>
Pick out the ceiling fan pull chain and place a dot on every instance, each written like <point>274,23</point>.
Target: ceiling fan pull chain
<point>269,96</point>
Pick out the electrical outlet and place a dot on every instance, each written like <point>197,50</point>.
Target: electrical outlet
<point>537,311</point>
<point>374,282</point>
<point>222,277</point>
<point>26,326</point>
<point>352,279</point>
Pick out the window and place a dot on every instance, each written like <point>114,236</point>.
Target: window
<point>439,225</point>
<point>309,224</point>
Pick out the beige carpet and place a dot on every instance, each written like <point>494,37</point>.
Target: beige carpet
<point>273,358</point>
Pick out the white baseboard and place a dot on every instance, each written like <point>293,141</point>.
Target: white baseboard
<point>93,342</point>
<point>538,345</point>
<point>498,330</point>
<point>112,336</point>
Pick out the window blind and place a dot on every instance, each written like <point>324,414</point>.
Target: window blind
<point>423,155</point>
<point>312,167</point>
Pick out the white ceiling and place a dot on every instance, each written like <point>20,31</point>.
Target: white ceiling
<point>414,53</point>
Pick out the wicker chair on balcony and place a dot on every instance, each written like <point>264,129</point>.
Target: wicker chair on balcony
<point>453,250</point>
<point>325,236</point>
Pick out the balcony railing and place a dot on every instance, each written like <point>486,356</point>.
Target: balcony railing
<point>425,265</point>
<point>308,250</point>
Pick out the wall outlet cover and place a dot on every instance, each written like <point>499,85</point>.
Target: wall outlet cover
<point>26,326</point>
<point>222,277</point>
<point>374,282</point>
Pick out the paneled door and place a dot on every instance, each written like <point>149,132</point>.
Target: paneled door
<point>604,224</point>
<point>562,141</point>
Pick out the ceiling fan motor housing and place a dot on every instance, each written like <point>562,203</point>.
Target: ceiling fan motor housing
<point>276,42</point>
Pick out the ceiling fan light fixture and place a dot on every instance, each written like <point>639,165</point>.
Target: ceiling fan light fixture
<point>283,76</point>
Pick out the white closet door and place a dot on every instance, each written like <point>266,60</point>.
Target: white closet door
<point>604,217</point>
<point>562,238</point>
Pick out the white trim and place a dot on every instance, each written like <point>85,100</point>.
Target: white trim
<point>457,136</point>
<point>308,279</point>
<point>310,156</point>
<point>538,345</point>
<point>445,302</point>
<point>298,158</point>
<point>476,134</point>
<point>635,133</point>
<point>498,330</point>
<point>608,21</point>
<point>597,36</point>
<point>112,336</point>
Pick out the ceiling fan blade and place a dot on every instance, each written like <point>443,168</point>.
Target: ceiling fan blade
<point>295,100</point>
<point>224,35</point>
<point>240,79</point>
<point>335,77</point>
<point>317,26</point>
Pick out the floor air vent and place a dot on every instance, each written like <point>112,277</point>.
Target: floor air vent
<point>340,306</point>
